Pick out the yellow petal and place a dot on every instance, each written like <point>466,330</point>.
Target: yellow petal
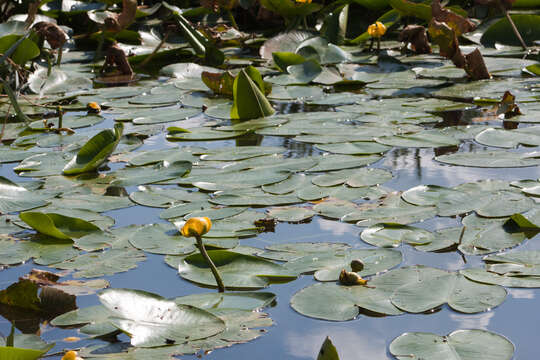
<point>196,226</point>
<point>70,355</point>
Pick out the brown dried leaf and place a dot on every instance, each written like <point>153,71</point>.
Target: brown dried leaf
<point>55,36</point>
<point>457,22</point>
<point>416,35</point>
<point>121,21</point>
<point>476,67</point>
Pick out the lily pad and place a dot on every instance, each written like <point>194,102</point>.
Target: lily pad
<point>238,271</point>
<point>460,344</point>
<point>151,320</point>
<point>393,235</point>
<point>58,226</point>
<point>491,159</point>
<point>291,214</point>
<point>433,288</point>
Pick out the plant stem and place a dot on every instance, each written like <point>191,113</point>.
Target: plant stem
<point>60,116</point>
<point>514,27</point>
<point>231,18</point>
<point>149,57</point>
<point>59,58</point>
<point>215,272</point>
<point>13,99</point>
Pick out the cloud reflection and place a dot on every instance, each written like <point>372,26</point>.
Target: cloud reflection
<point>337,228</point>
<point>350,343</point>
<point>477,321</point>
<point>521,293</point>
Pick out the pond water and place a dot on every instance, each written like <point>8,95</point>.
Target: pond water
<point>294,336</point>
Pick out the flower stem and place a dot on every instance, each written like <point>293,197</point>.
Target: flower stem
<point>215,272</point>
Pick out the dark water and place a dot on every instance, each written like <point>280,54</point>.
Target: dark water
<point>294,336</point>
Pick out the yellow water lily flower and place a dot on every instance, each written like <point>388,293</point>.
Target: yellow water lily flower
<point>196,226</point>
<point>71,355</point>
<point>376,30</point>
<point>93,107</point>
<point>304,1</point>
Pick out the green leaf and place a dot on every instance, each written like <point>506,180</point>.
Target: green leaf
<point>96,264</point>
<point>392,235</point>
<point>501,32</point>
<point>238,271</point>
<point>58,226</point>
<point>408,8</point>
<point>17,198</point>
<point>328,351</point>
<point>334,27</point>
<point>249,100</point>
<point>491,159</point>
<point>95,152</point>
<point>460,344</point>
<point>283,59</point>
<point>434,287</point>
<point>305,72</point>
<point>26,50</point>
<point>151,320</point>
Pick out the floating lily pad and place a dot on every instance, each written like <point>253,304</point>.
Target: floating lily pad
<point>460,344</point>
<point>483,236</point>
<point>17,198</point>
<point>391,209</point>
<point>491,159</point>
<point>137,175</point>
<point>292,251</point>
<point>354,178</point>
<point>151,320</point>
<point>433,288</point>
<point>96,264</point>
<point>58,226</point>
<point>393,235</point>
<point>328,265</point>
<point>238,271</point>
<point>291,214</point>
<point>164,197</point>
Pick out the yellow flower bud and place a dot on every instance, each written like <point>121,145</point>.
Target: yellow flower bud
<point>350,278</point>
<point>93,107</point>
<point>196,226</point>
<point>376,30</point>
<point>304,1</point>
<point>71,355</point>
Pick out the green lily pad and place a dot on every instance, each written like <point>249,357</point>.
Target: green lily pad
<point>252,197</point>
<point>355,148</point>
<point>292,251</point>
<point>433,288</point>
<point>392,210</point>
<point>291,213</point>
<point>294,182</point>
<point>487,277</point>
<point>97,264</point>
<point>164,197</point>
<point>483,235</point>
<point>95,152</point>
<point>92,202</point>
<point>354,178</point>
<point>240,153</point>
<point>151,320</point>
<point>491,159</point>
<point>393,235</point>
<point>17,198</point>
<point>137,175</point>
<point>338,162</point>
<point>460,344</point>
<point>529,136</point>
<point>58,226</point>
<point>238,271</point>
<point>203,134</point>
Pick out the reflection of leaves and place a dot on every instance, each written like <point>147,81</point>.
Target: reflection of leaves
<point>21,304</point>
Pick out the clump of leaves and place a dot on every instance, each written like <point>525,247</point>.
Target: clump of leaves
<point>444,28</point>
